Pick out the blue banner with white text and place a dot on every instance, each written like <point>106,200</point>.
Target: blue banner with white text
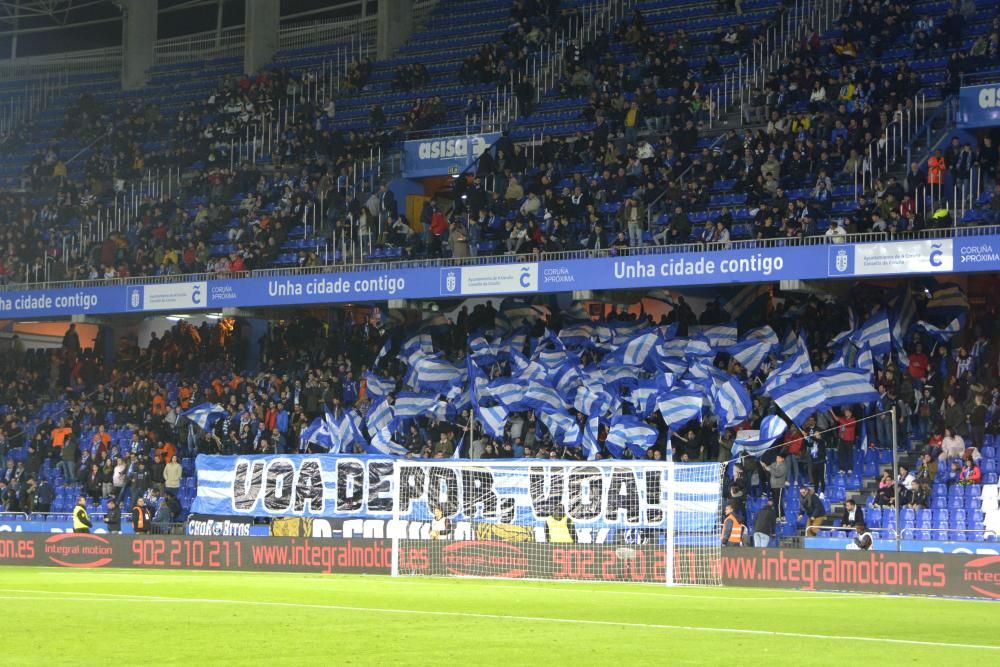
<point>667,269</point>
<point>979,106</point>
<point>444,156</point>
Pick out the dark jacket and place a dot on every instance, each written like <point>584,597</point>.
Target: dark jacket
<point>765,520</point>
<point>113,518</point>
<point>812,506</point>
<point>859,517</point>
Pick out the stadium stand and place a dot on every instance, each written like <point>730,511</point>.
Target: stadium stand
<point>635,140</point>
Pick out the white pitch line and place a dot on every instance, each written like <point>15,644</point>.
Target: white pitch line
<point>116,597</point>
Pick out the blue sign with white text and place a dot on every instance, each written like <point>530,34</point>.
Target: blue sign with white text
<point>979,106</point>
<point>444,156</point>
<point>667,269</point>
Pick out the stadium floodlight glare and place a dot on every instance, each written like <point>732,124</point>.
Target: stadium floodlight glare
<point>589,520</point>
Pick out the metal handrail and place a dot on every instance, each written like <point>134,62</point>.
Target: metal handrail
<point>483,260</point>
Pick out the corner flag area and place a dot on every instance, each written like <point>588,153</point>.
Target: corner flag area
<point>291,618</point>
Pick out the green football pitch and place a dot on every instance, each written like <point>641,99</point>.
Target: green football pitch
<point>129,617</point>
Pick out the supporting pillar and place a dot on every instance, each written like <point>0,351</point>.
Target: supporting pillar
<point>394,24</point>
<point>138,41</point>
<point>262,23</point>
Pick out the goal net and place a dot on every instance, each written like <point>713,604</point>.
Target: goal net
<point>596,520</point>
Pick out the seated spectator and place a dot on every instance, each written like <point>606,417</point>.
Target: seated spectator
<point>970,473</point>
<point>952,446</point>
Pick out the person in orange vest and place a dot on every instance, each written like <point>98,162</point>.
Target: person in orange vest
<point>935,170</point>
<point>732,529</point>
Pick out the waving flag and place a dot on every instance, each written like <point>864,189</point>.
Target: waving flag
<point>765,334</point>
<point>416,347</point>
<point>942,334</point>
<point>382,444</point>
<point>411,404</point>
<point>381,353</point>
<point>378,387</point>
<point>635,352</point>
<point>720,335</point>
<point>508,392</point>
<point>483,351</point>
<point>643,399</point>
<point>751,353</point>
<point>679,406</point>
<point>316,433</point>
<point>577,334</point>
<point>592,402</point>
<point>434,373</point>
<point>875,333</point>
<point>205,415</point>
<point>493,419</point>
<point>631,433</point>
<point>901,319</point>
<point>756,443</point>
<point>564,429</point>
<point>540,397</point>
<point>380,414</point>
<point>799,397</point>
<point>846,386</point>
<point>591,446</point>
<point>732,402</point>
<point>947,302</point>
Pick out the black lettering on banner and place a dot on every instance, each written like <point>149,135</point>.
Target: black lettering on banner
<point>585,490</point>
<point>309,487</point>
<point>623,494</point>
<point>654,496</point>
<point>279,485</point>
<point>350,485</point>
<point>245,497</point>
<point>542,500</point>
<point>478,491</point>
<point>380,486</point>
<point>442,490</point>
<point>413,485</point>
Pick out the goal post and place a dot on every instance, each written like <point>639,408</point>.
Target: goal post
<point>619,520</point>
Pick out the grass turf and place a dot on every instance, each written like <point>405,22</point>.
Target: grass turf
<point>130,617</point>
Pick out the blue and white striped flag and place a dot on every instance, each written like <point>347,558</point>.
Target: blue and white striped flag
<point>540,397</point>
<point>589,441</point>
<point>564,429</point>
<point>643,399</point>
<point>431,373</point>
<point>631,433</point>
<point>764,333</point>
<point>635,352</point>
<point>382,444</point>
<point>592,401</point>
<point>205,415</point>
<point>411,404</point>
<point>720,335</point>
<point>378,387</point>
<point>846,386</point>
<point>508,392</point>
<point>757,442</point>
<point>732,402</point>
<point>799,397</point>
<point>875,332</point>
<point>679,406</point>
<point>381,353</point>
<point>493,419</point>
<point>483,351</point>
<point>901,319</point>
<point>577,334</point>
<point>941,334</point>
<point>416,347</point>
<point>751,353</point>
<point>316,433</point>
<point>380,414</point>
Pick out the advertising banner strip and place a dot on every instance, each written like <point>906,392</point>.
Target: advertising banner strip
<point>444,156</point>
<point>815,262</point>
<point>800,569</point>
<point>918,546</point>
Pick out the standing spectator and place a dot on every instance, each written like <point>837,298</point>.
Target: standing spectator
<point>458,237</point>
<point>172,473</point>
<point>44,497</point>
<point>778,472</point>
<point>113,517</point>
<point>156,477</point>
<point>163,518</point>
<point>845,439</point>
<point>71,340</point>
<point>763,525</point>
